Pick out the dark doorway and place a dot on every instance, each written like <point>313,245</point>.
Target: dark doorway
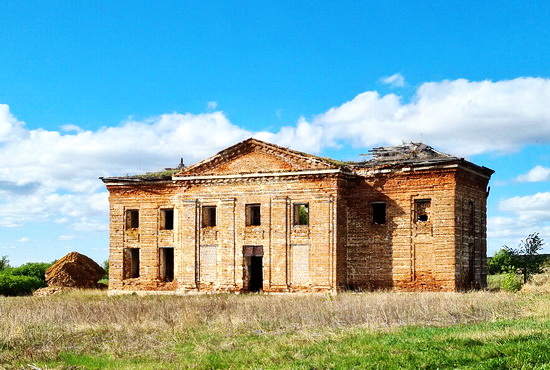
<point>256,274</point>
<point>166,264</point>
<point>253,272</point>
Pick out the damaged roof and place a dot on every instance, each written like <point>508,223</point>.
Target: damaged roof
<point>405,154</point>
<point>412,155</point>
<point>165,175</point>
<point>384,157</point>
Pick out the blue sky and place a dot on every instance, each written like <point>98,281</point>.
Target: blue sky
<point>91,89</point>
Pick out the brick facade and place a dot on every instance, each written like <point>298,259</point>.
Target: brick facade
<point>260,217</point>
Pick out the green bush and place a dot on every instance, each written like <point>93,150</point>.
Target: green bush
<point>24,279</point>
<point>500,262</point>
<point>14,285</point>
<point>511,282</point>
<point>34,269</point>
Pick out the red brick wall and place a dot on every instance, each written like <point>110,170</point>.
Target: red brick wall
<point>471,231</point>
<point>402,254</point>
<point>276,234</point>
<point>340,248</point>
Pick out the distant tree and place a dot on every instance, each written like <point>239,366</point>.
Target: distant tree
<point>526,256</point>
<point>4,262</point>
<point>106,268</point>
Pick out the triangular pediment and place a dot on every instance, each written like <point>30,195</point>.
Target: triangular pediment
<point>256,156</point>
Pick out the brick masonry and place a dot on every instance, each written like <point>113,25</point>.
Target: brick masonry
<point>433,237</point>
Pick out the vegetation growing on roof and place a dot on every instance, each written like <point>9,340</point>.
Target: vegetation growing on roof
<point>335,162</point>
<point>161,175</point>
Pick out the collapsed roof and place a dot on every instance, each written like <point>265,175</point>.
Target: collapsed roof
<point>405,154</point>
<point>410,154</point>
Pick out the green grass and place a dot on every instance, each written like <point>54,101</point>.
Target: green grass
<point>90,330</point>
<point>512,344</point>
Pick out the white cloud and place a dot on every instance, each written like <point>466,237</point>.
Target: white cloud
<point>395,80</point>
<point>536,174</point>
<point>211,105</point>
<point>10,127</point>
<point>71,128</point>
<point>24,240</point>
<point>84,224</point>
<point>539,202</point>
<point>50,176</point>
<point>527,214</point>
<point>460,117</point>
<point>66,237</point>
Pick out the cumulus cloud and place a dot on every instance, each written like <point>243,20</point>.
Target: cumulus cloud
<point>536,174</point>
<point>530,208</point>
<point>395,80</point>
<point>10,127</point>
<point>460,116</point>
<point>523,216</point>
<point>73,162</point>
<point>51,176</point>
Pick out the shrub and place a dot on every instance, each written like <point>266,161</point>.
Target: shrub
<point>24,279</point>
<point>511,282</point>
<point>34,269</point>
<point>14,285</point>
<point>500,262</point>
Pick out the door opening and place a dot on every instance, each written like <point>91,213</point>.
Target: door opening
<point>253,268</point>
<point>256,274</point>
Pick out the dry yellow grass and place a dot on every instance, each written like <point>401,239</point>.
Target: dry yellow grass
<point>539,284</point>
<point>37,328</point>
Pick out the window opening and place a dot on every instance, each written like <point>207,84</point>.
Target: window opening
<point>166,264</point>
<point>378,213</point>
<point>253,215</point>
<point>131,263</point>
<point>422,209</point>
<point>301,214</point>
<point>132,219</point>
<point>208,216</point>
<point>167,219</point>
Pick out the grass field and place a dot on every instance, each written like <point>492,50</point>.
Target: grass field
<point>370,330</point>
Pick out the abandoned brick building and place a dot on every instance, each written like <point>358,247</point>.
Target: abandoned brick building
<point>259,217</point>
